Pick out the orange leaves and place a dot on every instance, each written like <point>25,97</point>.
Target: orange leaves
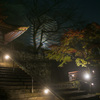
<point>66,42</point>
<point>54,48</point>
<point>72,36</point>
<point>81,54</point>
<point>71,50</point>
<point>74,33</point>
<point>96,25</point>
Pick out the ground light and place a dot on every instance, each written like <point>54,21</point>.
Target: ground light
<point>92,84</point>
<point>7,57</point>
<point>93,71</point>
<point>46,91</point>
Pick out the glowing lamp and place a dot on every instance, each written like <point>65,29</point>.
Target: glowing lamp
<point>92,83</point>
<point>87,76</point>
<point>7,56</point>
<point>73,75</point>
<point>93,71</point>
<point>46,91</point>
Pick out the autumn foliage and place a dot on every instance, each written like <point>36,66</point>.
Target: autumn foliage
<point>82,46</point>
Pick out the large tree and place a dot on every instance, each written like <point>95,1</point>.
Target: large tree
<point>49,19</point>
<point>82,46</point>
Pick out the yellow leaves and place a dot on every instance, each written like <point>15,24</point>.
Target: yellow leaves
<point>65,60</point>
<point>78,54</point>
<point>72,50</point>
<point>59,57</point>
<point>68,50</point>
<point>81,53</point>
<point>81,62</point>
<point>51,55</point>
<point>62,58</point>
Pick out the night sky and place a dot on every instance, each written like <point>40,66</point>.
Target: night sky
<point>89,9</point>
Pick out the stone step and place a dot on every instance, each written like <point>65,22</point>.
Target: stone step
<point>44,98</point>
<point>13,76</point>
<point>19,87</point>
<point>24,95</point>
<point>20,91</point>
<point>19,83</point>
<point>85,97</point>
<point>17,74</point>
<point>15,79</point>
<point>26,80</point>
<point>66,89</point>
<point>69,94</point>
<point>11,80</point>
<point>11,91</point>
<point>14,73</point>
<point>11,71</point>
<point>8,67</point>
<point>35,98</point>
<point>73,93</point>
<point>11,83</point>
<point>66,93</point>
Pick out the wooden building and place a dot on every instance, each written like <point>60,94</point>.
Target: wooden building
<point>74,75</point>
<point>9,32</point>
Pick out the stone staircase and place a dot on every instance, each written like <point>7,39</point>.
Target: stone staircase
<point>68,92</point>
<point>15,84</point>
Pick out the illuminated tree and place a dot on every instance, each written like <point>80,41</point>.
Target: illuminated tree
<point>92,44</point>
<point>82,46</point>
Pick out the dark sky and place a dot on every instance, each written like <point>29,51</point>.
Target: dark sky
<point>90,10</point>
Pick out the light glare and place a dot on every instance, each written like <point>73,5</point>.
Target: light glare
<point>92,83</point>
<point>7,56</point>
<point>46,91</point>
<point>93,71</point>
<point>86,76</point>
<point>73,75</point>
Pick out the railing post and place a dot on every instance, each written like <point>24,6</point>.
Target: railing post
<point>13,65</point>
<point>32,85</point>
